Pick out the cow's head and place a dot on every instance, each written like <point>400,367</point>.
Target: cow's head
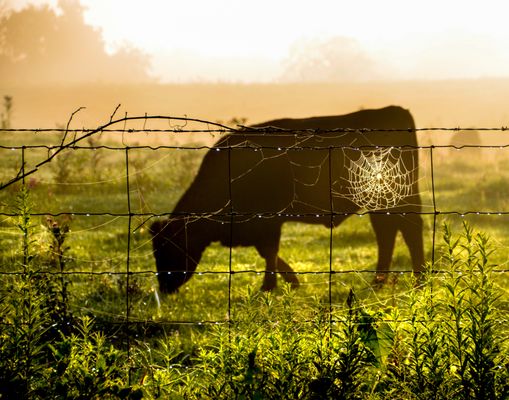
<point>176,253</point>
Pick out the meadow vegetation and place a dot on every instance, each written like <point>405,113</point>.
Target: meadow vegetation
<point>76,325</point>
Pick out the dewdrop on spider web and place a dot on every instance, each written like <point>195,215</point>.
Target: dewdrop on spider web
<point>378,179</point>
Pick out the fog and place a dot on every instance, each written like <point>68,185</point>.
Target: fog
<point>250,42</point>
<point>54,58</point>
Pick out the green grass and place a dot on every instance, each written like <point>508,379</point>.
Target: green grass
<point>246,344</point>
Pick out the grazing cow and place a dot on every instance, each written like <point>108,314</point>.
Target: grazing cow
<point>253,181</point>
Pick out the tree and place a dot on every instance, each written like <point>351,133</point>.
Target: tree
<point>338,59</point>
<point>37,46</point>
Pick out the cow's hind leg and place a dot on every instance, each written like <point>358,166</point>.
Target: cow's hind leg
<point>274,264</point>
<point>287,273</point>
<point>386,228</point>
<point>269,254</point>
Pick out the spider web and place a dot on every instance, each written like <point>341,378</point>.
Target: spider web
<point>377,179</point>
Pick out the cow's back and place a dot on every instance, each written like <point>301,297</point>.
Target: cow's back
<point>396,124</point>
<point>388,117</point>
<point>272,171</point>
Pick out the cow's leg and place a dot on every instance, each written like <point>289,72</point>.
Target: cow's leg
<point>411,228</point>
<point>386,228</point>
<point>268,248</point>
<point>269,254</point>
<point>287,273</point>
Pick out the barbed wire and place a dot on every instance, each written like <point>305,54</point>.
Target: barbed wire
<point>232,272</point>
<point>247,129</point>
<point>259,215</point>
<point>255,148</point>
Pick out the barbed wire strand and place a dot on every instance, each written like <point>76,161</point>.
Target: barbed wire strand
<point>240,128</point>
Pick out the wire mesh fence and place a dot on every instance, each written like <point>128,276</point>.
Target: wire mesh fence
<point>104,197</point>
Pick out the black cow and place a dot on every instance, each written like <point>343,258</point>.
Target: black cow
<point>251,182</point>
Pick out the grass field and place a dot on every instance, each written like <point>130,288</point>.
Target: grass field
<point>171,342</point>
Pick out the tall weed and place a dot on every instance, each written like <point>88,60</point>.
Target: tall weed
<point>44,352</point>
<point>448,342</point>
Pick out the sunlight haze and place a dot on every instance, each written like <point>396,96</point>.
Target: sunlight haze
<point>259,41</point>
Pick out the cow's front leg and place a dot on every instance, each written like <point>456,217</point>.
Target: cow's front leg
<point>385,228</point>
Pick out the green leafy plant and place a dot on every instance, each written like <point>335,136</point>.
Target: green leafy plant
<point>23,348</point>
<point>474,335</point>
<point>43,351</point>
<point>85,366</point>
<point>449,343</point>
<point>57,293</point>
<point>342,360</point>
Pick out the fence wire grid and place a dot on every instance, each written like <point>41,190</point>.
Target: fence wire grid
<point>51,164</point>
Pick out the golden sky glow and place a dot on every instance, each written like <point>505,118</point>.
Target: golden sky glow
<point>246,41</point>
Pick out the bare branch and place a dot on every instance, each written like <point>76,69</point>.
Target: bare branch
<point>75,141</point>
<point>69,123</point>
<point>115,111</point>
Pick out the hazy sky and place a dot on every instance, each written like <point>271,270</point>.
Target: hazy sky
<point>253,40</point>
